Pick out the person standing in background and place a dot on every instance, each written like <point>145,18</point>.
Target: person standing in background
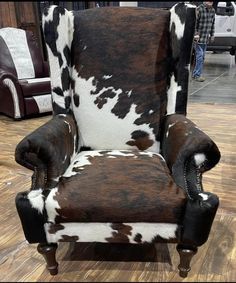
<point>205,29</point>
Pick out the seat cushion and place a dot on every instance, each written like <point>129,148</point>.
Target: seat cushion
<point>118,187</point>
<point>32,87</point>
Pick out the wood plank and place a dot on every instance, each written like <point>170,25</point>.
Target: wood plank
<point>7,14</point>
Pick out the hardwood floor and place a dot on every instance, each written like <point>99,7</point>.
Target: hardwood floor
<point>215,260</point>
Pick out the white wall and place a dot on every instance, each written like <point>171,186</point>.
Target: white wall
<point>129,4</point>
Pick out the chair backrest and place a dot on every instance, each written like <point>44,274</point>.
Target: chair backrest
<point>119,70</point>
<point>20,54</point>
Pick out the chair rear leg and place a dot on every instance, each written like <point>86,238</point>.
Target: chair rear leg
<point>49,253</point>
<point>186,253</point>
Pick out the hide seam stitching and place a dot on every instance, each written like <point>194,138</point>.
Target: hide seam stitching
<point>185,182</point>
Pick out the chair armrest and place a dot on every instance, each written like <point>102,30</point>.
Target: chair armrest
<point>49,150</point>
<point>5,75</point>
<point>188,152</point>
<point>9,86</point>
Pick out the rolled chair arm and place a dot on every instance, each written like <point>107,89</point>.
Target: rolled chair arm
<point>5,75</point>
<point>48,150</point>
<point>9,83</point>
<point>189,152</point>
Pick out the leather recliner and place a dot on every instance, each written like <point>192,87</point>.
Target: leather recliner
<point>25,88</point>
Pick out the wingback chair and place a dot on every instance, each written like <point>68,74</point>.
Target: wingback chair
<point>25,88</point>
<point>119,161</point>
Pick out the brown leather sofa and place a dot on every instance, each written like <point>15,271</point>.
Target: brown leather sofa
<point>25,88</point>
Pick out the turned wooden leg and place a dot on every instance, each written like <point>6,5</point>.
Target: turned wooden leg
<point>186,254</point>
<point>49,253</point>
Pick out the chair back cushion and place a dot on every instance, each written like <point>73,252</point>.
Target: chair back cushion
<point>20,54</point>
<point>115,65</point>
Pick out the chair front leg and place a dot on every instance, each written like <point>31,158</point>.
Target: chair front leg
<point>186,253</point>
<point>49,253</point>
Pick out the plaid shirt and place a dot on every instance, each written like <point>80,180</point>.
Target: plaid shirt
<point>205,25</point>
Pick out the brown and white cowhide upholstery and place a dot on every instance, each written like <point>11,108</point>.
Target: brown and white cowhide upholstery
<point>118,78</point>
<point>121,163</point>
<point>188,152</point>
<point>182,28</point>
<point>102,188</point>
<point>116,90</point>
<point>135,233</point>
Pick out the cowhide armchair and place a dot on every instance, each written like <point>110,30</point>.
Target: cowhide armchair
<point>25,89</point>
<point>119,161</point>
